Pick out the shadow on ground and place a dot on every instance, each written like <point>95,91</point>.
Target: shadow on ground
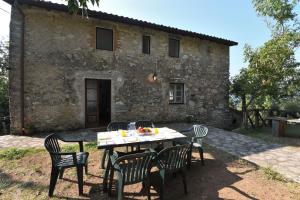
<point>203,182</point>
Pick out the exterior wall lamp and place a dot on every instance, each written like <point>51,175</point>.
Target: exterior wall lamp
<point>155,73</point>
<point>154,76</point>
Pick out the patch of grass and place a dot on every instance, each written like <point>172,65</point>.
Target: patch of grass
<point>37,169</point>
<point>70,148</point>
<point>15,153</point>
<point>90,146</point>
<point>75,147</point>
<point>273,175</point>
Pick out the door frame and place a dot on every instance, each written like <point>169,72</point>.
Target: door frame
<point>85,99</point>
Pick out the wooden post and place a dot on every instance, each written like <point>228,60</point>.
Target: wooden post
<point>271,114</point>
<point>256,116</point>
<point>278,127</point>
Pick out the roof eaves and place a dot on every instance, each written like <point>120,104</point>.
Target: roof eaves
<point>127,20</point>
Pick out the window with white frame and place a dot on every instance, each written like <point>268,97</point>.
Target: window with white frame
<point>176,93</point>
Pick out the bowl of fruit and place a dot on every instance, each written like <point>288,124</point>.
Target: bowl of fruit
<point>144,130</point>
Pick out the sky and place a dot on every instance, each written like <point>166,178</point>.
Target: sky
<point>230,19</point>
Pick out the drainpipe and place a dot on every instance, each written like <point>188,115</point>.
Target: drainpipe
<point>22,66</point>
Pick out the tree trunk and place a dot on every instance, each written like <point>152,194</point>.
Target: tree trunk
<point>245,113</point>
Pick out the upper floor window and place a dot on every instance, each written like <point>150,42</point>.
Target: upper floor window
<point>146,44</point>
<point>174,46</point>
<point>104,39</point>
<point>176,93</point>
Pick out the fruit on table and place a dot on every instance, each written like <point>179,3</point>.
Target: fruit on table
<point>144,130</point>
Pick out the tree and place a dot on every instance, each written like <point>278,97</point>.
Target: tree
<point>3,77</point>
<point>272,72</point>
<point>76,5</point>
<point>279,14</point>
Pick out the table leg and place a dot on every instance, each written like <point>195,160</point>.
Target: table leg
<point>107,169</point>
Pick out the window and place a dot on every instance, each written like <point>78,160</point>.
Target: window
<point>104,39</point>
<point>174,48</point>
<point>176,93</point>
<point>146,44</point>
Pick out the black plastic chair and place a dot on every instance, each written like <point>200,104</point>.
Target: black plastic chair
<point>144,123</point>
<point>172,160</point>
<point>113,126</point>
<point>61,161</point>
<point>131,169</point>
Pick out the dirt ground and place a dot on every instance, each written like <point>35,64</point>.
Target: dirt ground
<point>222,177</point>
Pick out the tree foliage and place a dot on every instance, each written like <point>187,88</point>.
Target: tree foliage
<point>76,5</point>
<point>272,72</point>
<point>3,77</point>
<point>280,14</point>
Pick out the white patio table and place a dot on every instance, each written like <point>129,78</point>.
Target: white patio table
<point>111,139</point>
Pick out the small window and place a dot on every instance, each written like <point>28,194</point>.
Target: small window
<point>174,48</point>
<point>146,44</point>
<point>104,39</point>
<point>176,93</point>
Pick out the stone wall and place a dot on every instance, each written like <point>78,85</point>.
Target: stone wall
<point>60,54</point>
<point>15,49</point>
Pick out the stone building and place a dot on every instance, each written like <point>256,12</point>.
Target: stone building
<point>69,71</point>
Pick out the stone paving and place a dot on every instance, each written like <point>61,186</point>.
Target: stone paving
<point>283,159</point>
<point>7,141</point>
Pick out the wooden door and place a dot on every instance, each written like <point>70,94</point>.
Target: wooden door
<point>98,107</point>
<point>104,101</point>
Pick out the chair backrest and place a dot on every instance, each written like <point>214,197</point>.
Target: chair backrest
<point>144,123</point>
<point>200,131</point>
<point>134,167</point>
<point>114,126</point>
<point>173,158</point>
<point>52,146</point>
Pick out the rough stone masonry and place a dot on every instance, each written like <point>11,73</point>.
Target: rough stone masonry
<point>60,53</point>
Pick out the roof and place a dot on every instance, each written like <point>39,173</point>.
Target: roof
<point>126,20</point>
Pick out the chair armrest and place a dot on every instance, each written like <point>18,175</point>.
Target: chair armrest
<point>63,153</point>
<point>73,154</point>
<point>198,137</point>
<point>80,142</point>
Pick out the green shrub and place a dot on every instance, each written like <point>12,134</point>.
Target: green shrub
<point>15,153</point>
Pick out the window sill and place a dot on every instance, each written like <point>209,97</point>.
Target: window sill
<point>173,56</point>
<point>105,50</point>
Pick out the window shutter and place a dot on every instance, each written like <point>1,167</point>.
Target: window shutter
<point>146,44</point>
<point>104,39</point>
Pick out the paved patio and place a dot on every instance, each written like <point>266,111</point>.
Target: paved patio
<point>283,159</point>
